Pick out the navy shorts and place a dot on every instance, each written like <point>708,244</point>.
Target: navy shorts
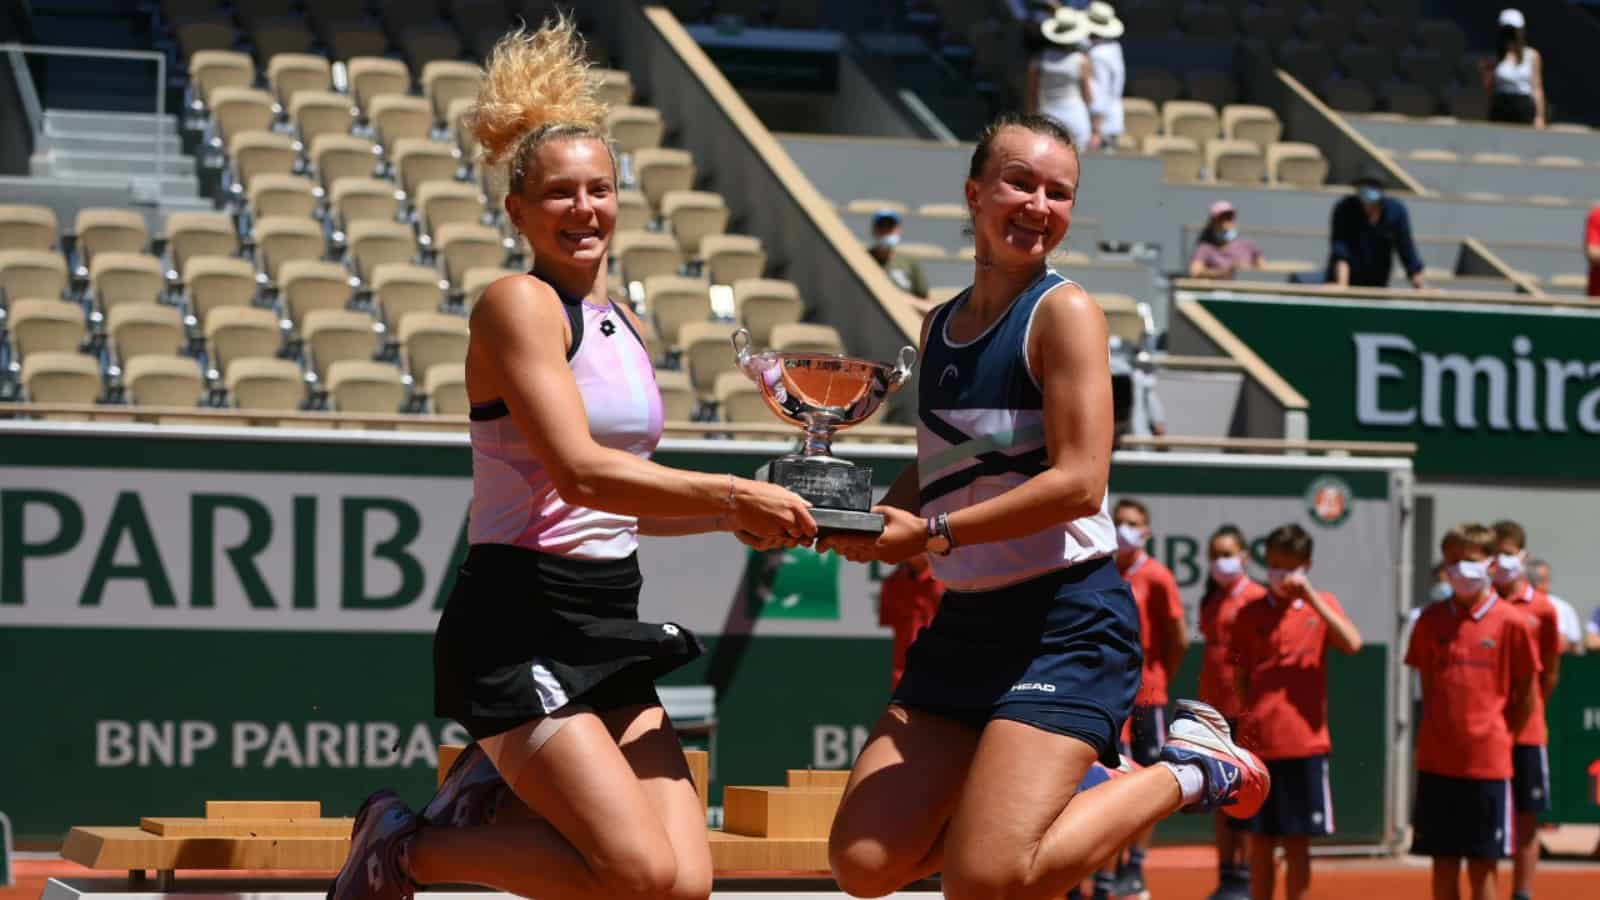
<point>1300,803</point>
<point>1059,652</point>
<point>1461,817</point>
<point>1149,733</point>
<point>1530,779</point>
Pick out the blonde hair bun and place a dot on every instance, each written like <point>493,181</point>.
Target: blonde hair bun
<point>534,80</point>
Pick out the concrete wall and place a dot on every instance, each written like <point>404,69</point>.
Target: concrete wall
<point>1477,137</point>
<point>1523,180</point>
<point>1255,413</point>
<point>862,108</point>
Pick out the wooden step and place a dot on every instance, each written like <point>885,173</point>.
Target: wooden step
<point>246,828</point>
<point>263,809</point>
<point>830,779</point>
<point>779,812</point>
<point>128,848</point>
<point>733,854</point>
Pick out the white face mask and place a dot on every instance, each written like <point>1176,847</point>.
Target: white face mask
<point>889,241</point>
<point>1277,577</point>
<point>1507,568</point>
<point>1130,537</point>
<point>1441,591</point>
<point>1227,569</point>
<point>1468,578</point>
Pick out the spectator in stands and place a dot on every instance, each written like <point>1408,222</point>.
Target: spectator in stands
<point>1109,75</point>
<point>1369,230</point>
<point>1566,615</point>
<point>1515,77</point>
<point>1060,78</point>
<point>1591,249</point>
<point>903,270</point>
<point>1220,251</point>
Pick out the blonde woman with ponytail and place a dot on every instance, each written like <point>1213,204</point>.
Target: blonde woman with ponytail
<point>539,653</point>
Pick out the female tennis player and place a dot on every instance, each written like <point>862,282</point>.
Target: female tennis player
<point>1025,676</point>
<point>539,652</point>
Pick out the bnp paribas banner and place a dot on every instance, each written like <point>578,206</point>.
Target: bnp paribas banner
<point>191,614</point>
<point>1483,390</point>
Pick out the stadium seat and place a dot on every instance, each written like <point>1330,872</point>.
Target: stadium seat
<point>633,211</point>
<point>1272,24</point>
<point>402,289</point>
<point>1235,162</point>
<point>1442,36</point>
<point>213,69</point>
<point>1296,163</point>
<point>473,16</point>
<point>278,194</point>
<point>192,234</point>
<point>418,160</point>
<point>256,154</point>
<point>1140,119</point>
<point>1389,33</point>
<point>707,353</point>
<point>397,116</point>
<point>1328,31</point>
<point>38,274</point>
<point>641,254</point>
<point>1257,124</point>
<point>432,338</point>
<point>1179,156</point>
<point>476,281</point>
<point>155,380</point>
<point>350,39</point>
<point>198,35</point>
<point>763,303</point>
<point>27,227</point>
<point>238,332</point>
<point>1467,102</point>
<point>1428,68</point>
<point>634,128</point>
<point>315,113</point>
<point>674,301</point>
<point>334,334</point>
<point>336,156</point>
<point>1310,64</point>
<point>1370,65</point>
<point>455,119</point>
<point>141,329</point>
<point>364,386</point>
<point>1347,95</point>
<point>615,87</point>
<point>446,81</point>
<point>677,396</point>
<point>373,243</point>
<point>235,110</point>
<point>355,200</point>
<point>45,326</point>
<point>661,169</point>
<point>738,399</point>
<point>440,203</point>
<point>250,12</point>
<point>307,285</point>
<point>446,386</point>
<point>463,246</point>
<point>806,337</point>
<point>732,257</point>
<point>272,37</point>
<point>280,239</point>
<point>374,76</point>
<point>118,278</point>
<point>290,73</point>
<point>102,230</point>
<point>61,378</point>
<point>1210,86</point>
<point>423,45</point>
<point>215,281</point>
<point>692,215</point>
<point>1122,316</point>
<point>1408,98</point>
<point>265,384</point>
<point>1157,86</point>
<point>1189,119</point>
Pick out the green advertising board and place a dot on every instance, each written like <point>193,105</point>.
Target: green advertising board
<point>193,614</point>
<point>1484,391</point>
<point>1574,715</point>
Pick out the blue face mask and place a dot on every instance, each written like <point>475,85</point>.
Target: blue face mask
<point>1228,234</point>
<point>1441,591</point>
<point>1369,194</point>
<point>889,241</point>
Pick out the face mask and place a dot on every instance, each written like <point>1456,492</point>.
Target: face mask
<point>1277,577</point>
<point>889,241</point>
<point>1369,194</point>
<point>1229,234</point>
<point>1508,568</point>
<point>1441,591</point>
<point>1129,537</point>
<point>1227,569</point>
<point>1468,578</point>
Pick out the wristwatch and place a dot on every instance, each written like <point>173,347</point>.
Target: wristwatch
<point>939,541</point>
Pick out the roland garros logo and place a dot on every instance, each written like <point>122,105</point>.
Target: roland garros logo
<point>1328,501</point>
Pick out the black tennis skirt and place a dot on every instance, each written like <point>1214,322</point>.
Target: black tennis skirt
<point>525,633</point>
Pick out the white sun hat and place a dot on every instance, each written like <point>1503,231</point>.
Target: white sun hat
<point>1103,21</point>
<point>1067,27</point>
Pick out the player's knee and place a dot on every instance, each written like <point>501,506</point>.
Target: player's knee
<point>865,869</point>
<point>693,882</point>
<point>995,877</point>
<point>640,872</point>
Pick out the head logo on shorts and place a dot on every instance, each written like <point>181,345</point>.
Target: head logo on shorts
<point>1328,501</point>
<point>950,371</point>
<point>1034,686</point>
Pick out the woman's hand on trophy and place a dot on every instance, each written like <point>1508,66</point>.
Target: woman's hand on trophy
<point>765,544</point>
<point>768,511</point>
<point>905,534</point>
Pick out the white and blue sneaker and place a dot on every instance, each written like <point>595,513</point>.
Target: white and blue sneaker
<point>470,794</point>
<point>1236,781</point>
<point>376,868</point>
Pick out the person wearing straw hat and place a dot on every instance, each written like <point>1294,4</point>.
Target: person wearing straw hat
<point>1059,77</point>
<point>1109,73</point>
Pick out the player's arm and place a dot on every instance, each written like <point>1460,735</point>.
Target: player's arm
<point>1342,633</point>
<point>1520,704</point>
<point>1550,646</point>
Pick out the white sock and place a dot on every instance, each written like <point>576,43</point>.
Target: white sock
<point>1191,780</point>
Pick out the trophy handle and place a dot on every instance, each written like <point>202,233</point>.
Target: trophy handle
<point>741,348</point>
<point>903,366</point>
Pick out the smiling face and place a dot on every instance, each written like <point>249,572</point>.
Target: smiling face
<point>1021,203</point>
<point>567,208</point>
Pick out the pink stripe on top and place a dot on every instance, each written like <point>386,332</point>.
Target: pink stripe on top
<point>514,500</point>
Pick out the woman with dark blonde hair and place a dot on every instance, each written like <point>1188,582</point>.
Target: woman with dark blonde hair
<point>540,653</point>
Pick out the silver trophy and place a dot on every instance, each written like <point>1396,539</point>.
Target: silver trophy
<point>823,393</point>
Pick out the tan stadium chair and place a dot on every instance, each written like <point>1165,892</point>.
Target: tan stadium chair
<point>432,338</point>
<point>102,230</point>
<point>1570,162</point>
<point>307,285</point>
<point>641,254</point>
<point>944,211</point>
<point>739,400</point>
<point>335,334</point>
<point>707,353</point>
<point>658,170</point>
<point>441,203</point>
<point>288,74</point>
<point>419,160</point>
<point>234,110</point>
<point>1179,156</point>
<point>397,116</point>
<point>446,386</point>
<point>678,400</point>
<point>732,257</point>
<point>279,240</point>
<point>476,281</point>
<point>405,289</point>
<point>373,243</point>
<point>426,44</point>
<point>634,128</point>
<point>143,329</point>
<point>1235,161</point>
<point>364,386</point>
<point>238,332</point>
<point>275,36</point>
<point>352,39</point>
<point>119,278</point>
<point>256,154</point>
<point>336,156</point>
<point>764,303</point>
<point>805,337</point>
<point>273,195</point>
<point>61,378</point>
<point>654,347</point>
<point>1122,316</point>
<point>40,274</point>
<point>264,383</point>
<point>216,281</point>
<point>315,113</point>
<point>633,211</point>
<point>445,81</point>
<point>364,200</point>
<point>28,227</point>
<point>464,246</point>
<point>46,326</point>
<point>692,215</point>
<point>375,76</point>
<point>614,87</point>
<point>1430,154</point>
<point>1140,119</point>
<point>1299,164</point>
<point>866,206</point>
<point>674,301</point>
<point>194,234</point>
<point>163,380</point>
<point>456,118</point>
<point>922,250</point>
<point>1192,119</point>
<point>213,69</point>
<point>1257,124</point>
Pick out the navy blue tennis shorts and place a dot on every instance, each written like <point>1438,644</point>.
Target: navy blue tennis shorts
<point>1059,652</point>
<point>1530,781</point>
<point>1300,803</point>
<point>1461,817</point>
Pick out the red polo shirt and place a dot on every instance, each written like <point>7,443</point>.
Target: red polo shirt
<point>1218,613</point>
<point>1280,646</point>
<point>1545,625</point>
<point>907,603</point>
<point>1468,663</point>
<point>1160,615</point>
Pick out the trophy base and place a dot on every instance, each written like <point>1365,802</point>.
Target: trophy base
<point>840,492</point>
<point>846,521</point>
